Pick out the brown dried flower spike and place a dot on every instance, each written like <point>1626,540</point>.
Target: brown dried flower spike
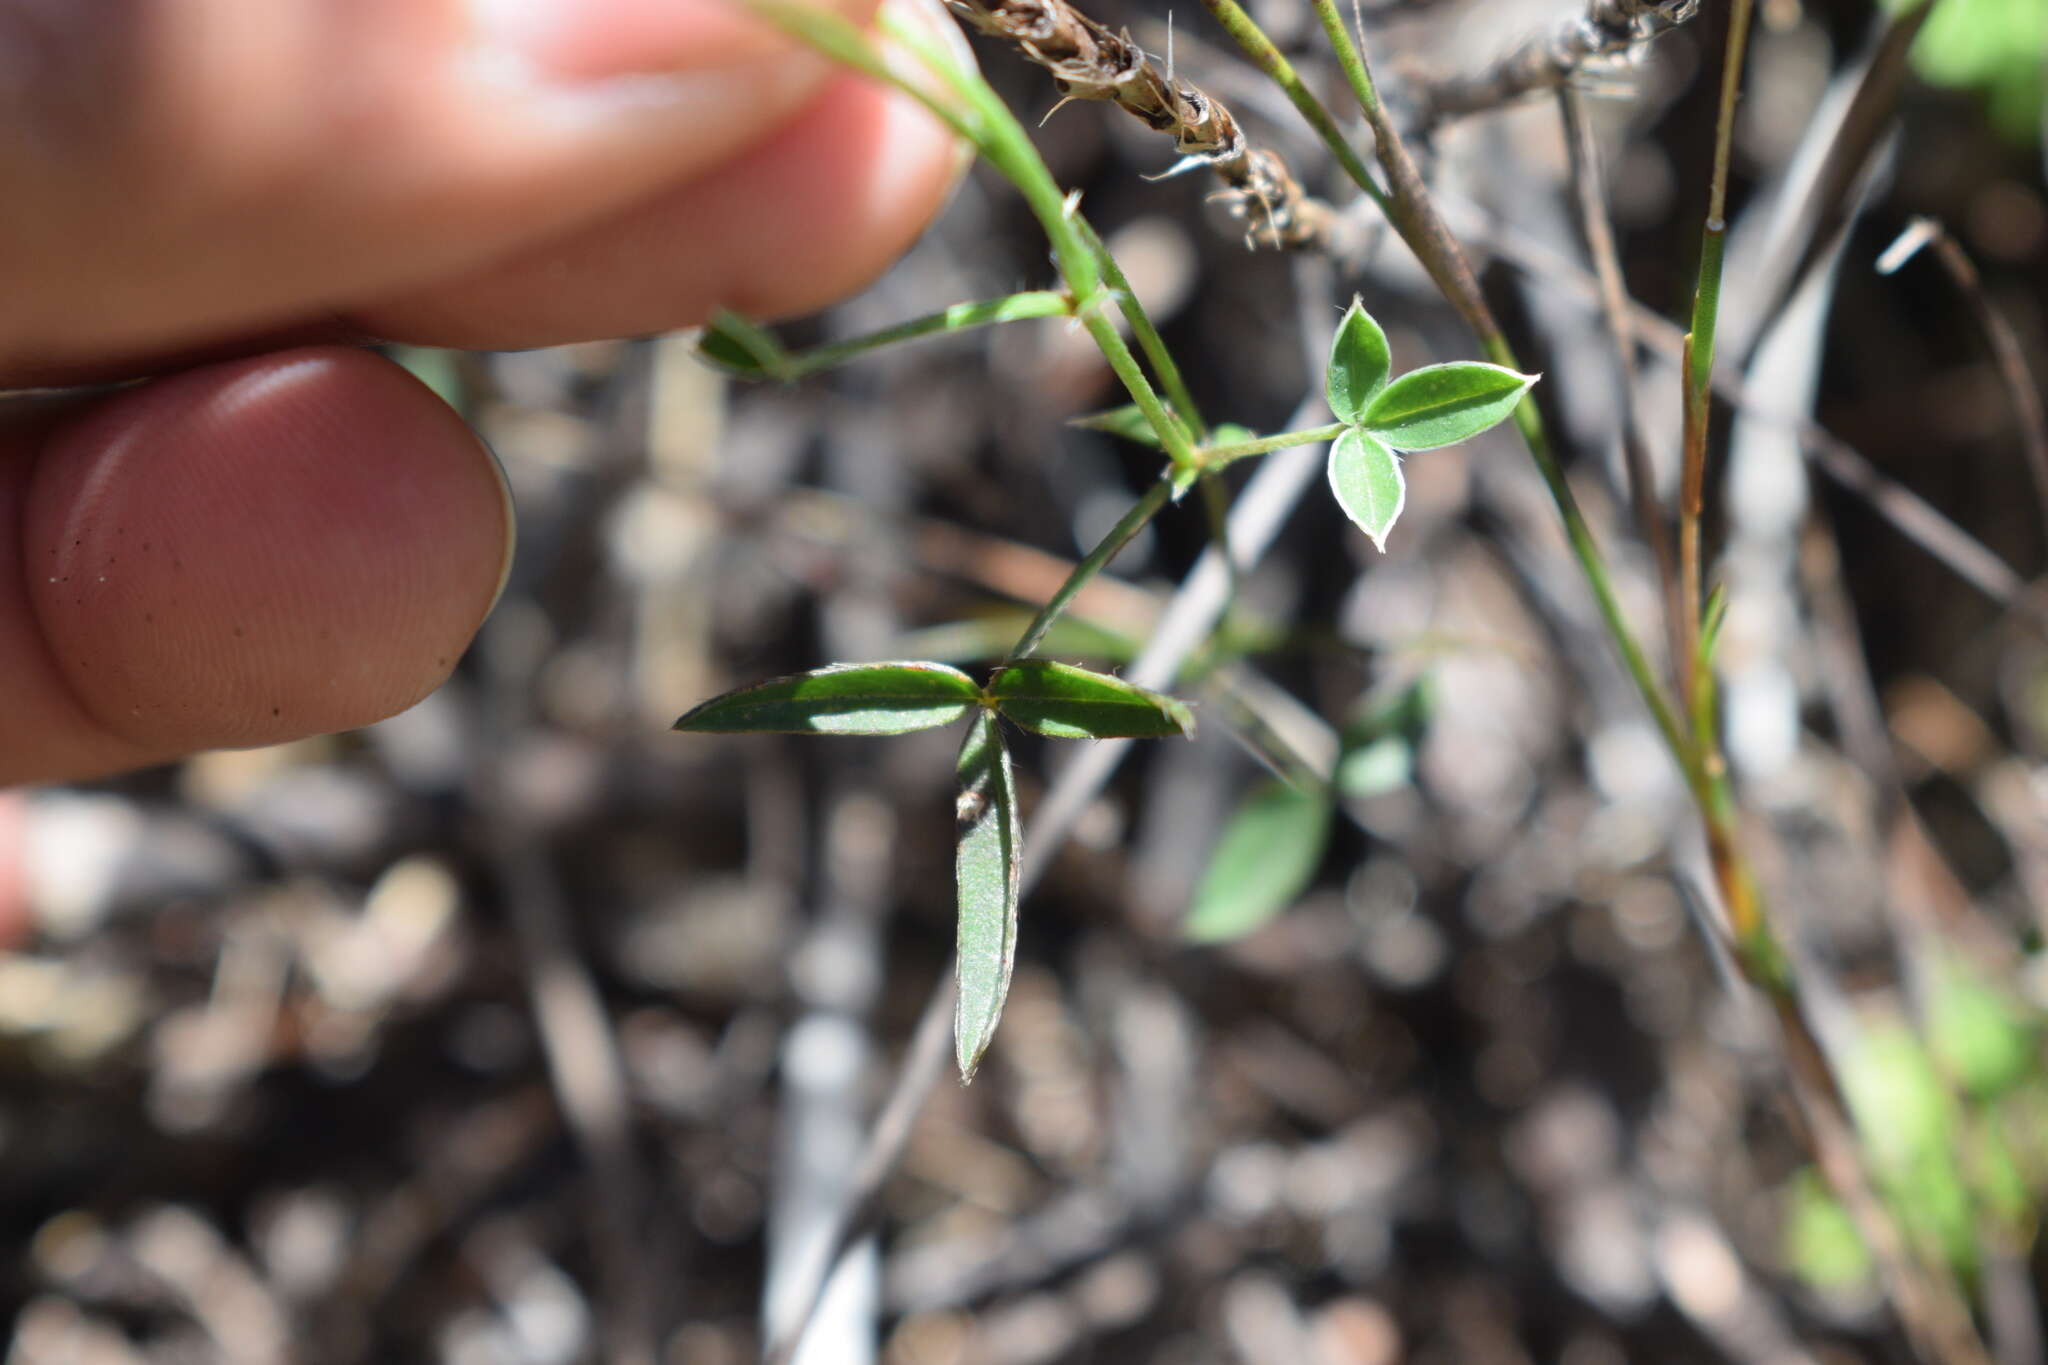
<point>1089,62</point>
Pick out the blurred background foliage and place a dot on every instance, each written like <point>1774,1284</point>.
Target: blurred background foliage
<point>1998,48</point>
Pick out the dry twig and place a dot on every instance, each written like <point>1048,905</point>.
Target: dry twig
<point>2006,349</point>
<point>1607,29</point>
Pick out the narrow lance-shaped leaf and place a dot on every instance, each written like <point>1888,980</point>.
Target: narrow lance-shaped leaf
<point>1264,861</point>
<point>842,699</point>
<point>1441,405</point>
<point>1366,477</point>
<point>739,347</point>
<point>1359,362</point>
<point>1128,421</point>
<point>988,853</point>
<point>1066,702</point>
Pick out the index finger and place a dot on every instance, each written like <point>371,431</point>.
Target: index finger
<point>180,172</point>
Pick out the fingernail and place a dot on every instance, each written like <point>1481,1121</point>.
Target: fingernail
<point>511,514</point>
<point>578,41</point>
<point>523,26</point>
<point>606,61</point>
<point>933,17</point>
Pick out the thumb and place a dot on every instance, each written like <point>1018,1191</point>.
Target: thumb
<point>236,555</point>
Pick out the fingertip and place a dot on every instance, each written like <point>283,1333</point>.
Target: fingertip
<point>249,553</point>
<point>602,39</point>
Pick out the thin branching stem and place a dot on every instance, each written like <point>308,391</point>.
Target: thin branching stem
<point>1743,902</point>
<point>1147,335</point>
<point>771,361</point>
<point>1216,457</point>
<point>960,317</point>
<point>1142,511</point>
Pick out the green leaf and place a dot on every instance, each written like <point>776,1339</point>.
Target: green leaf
<point>842,699</point>
<point>1404,714</point>
<point>738,347</point>
<point>1441,405</point>
<point>1384,765</point>
<point>1366,477</point>
<point>988,853</point>
<point>1995,46</point>
<point>1265,859</point>
<point>1066,702</point>
<point>1377,746</point>
<point>1128,421</point>
<point>1897,1098</point>
<point>1821,1242</point>
<point>1711,620</point>
<point>1981,1036</point>
<point>1995,1175</point>
<point>1359,363</point>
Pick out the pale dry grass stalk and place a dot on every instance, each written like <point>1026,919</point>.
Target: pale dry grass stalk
<point>1605,30</point>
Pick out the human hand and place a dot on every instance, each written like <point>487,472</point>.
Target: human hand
<point>281,536</point>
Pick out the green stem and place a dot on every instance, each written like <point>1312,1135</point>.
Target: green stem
<point>1593,565</point>
<point>960,317</point>
<point>1274,63</point>
<point>789,366</point>
<point>1148,338</point>
<point>1699,354</point>
<point>1753,933</point>
<point>1349,58</point>
<point>1142,511</point>
<point>1216,457</point>
<point>1706,310</point>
